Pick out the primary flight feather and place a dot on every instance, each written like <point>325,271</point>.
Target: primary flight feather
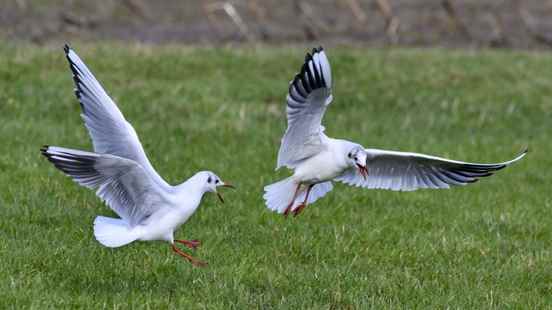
<point>317,160</point>
<point>122,176</point>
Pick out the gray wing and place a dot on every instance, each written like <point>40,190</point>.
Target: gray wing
<point>401,171</point>
<point>122,183</point>
<point>109,130</point>
<point>309,94</point>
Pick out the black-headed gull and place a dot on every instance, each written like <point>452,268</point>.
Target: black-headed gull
<point>317,159</point>
<point>118,169</point>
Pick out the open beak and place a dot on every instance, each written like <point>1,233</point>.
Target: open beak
<point>220,197</point>
<point>363,171</point>
<point>224,185</point>
<point>228,185</point>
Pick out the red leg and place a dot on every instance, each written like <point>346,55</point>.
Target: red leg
<point>292,200</point>
<point>192,244</point>
<point>192,260</point>
<point>304,204</point>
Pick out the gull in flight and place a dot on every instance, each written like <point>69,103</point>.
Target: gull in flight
<point>122,176</point>
<point>317,159</point>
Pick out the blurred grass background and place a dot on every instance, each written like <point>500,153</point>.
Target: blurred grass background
<point>486,245</point>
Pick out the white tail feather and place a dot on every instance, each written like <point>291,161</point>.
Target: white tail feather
<point>278,195</point>
<point>113,232</point>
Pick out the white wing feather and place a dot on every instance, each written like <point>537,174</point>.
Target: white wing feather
<point>401,171</point>
<point>109,130</point>
<point>308,96</point>
<point>122,183</point>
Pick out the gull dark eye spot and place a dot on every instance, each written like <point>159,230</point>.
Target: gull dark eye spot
<point>356,158</point>
<point>209,180</point>
<point>349,155</point>
<point>216,181</point>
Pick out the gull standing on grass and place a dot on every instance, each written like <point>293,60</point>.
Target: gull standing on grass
<point>317,159</point>
<point>118,169</point>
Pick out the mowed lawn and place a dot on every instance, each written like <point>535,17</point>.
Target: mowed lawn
<point>486,245</point>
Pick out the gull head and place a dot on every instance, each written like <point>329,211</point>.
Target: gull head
<point>212,182</point>
<point>356,158</point>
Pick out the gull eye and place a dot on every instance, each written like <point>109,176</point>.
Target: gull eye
<point>216,181</point>
<point>209,180</point>
<point>356,158</point>
<point>349,155</point>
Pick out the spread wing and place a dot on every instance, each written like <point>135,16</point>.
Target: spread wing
<point>109,130</point>
<point>309,94</point>
<point>401,171</point>
<point>122,183</point>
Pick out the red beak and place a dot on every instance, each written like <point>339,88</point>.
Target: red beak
<point>220,197</point>
<point>363,171</point>
<point>228,185</point>
<point>224,185</point>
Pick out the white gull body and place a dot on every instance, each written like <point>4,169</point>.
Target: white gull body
<point>118,169</point>
<point>317,160</point>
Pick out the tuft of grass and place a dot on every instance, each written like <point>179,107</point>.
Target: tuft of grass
<point>487,245</point>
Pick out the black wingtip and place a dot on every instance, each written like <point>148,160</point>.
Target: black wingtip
<point>521,155</point>
<point>317,49</point>
<point>44,151</point>
<point>308,57</point>
<point>66,48</point>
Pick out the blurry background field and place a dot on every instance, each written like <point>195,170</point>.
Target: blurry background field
<point>451,23</point>
<point>487,245</point>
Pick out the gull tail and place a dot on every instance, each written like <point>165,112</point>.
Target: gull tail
<point>278,195</point>
<point>112,232</point>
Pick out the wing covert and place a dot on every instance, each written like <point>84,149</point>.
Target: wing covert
<point>121,183</point>
<point>108,129</point>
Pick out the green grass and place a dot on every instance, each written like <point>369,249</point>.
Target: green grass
<point>487,245</point>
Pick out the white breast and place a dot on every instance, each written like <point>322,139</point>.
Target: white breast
<point>162,224</point>
<point>322,167</point>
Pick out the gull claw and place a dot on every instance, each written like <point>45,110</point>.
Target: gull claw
<point>193,261</point>
<point>195,243</point>
<point>299,209</point>
<point>286,212</point>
